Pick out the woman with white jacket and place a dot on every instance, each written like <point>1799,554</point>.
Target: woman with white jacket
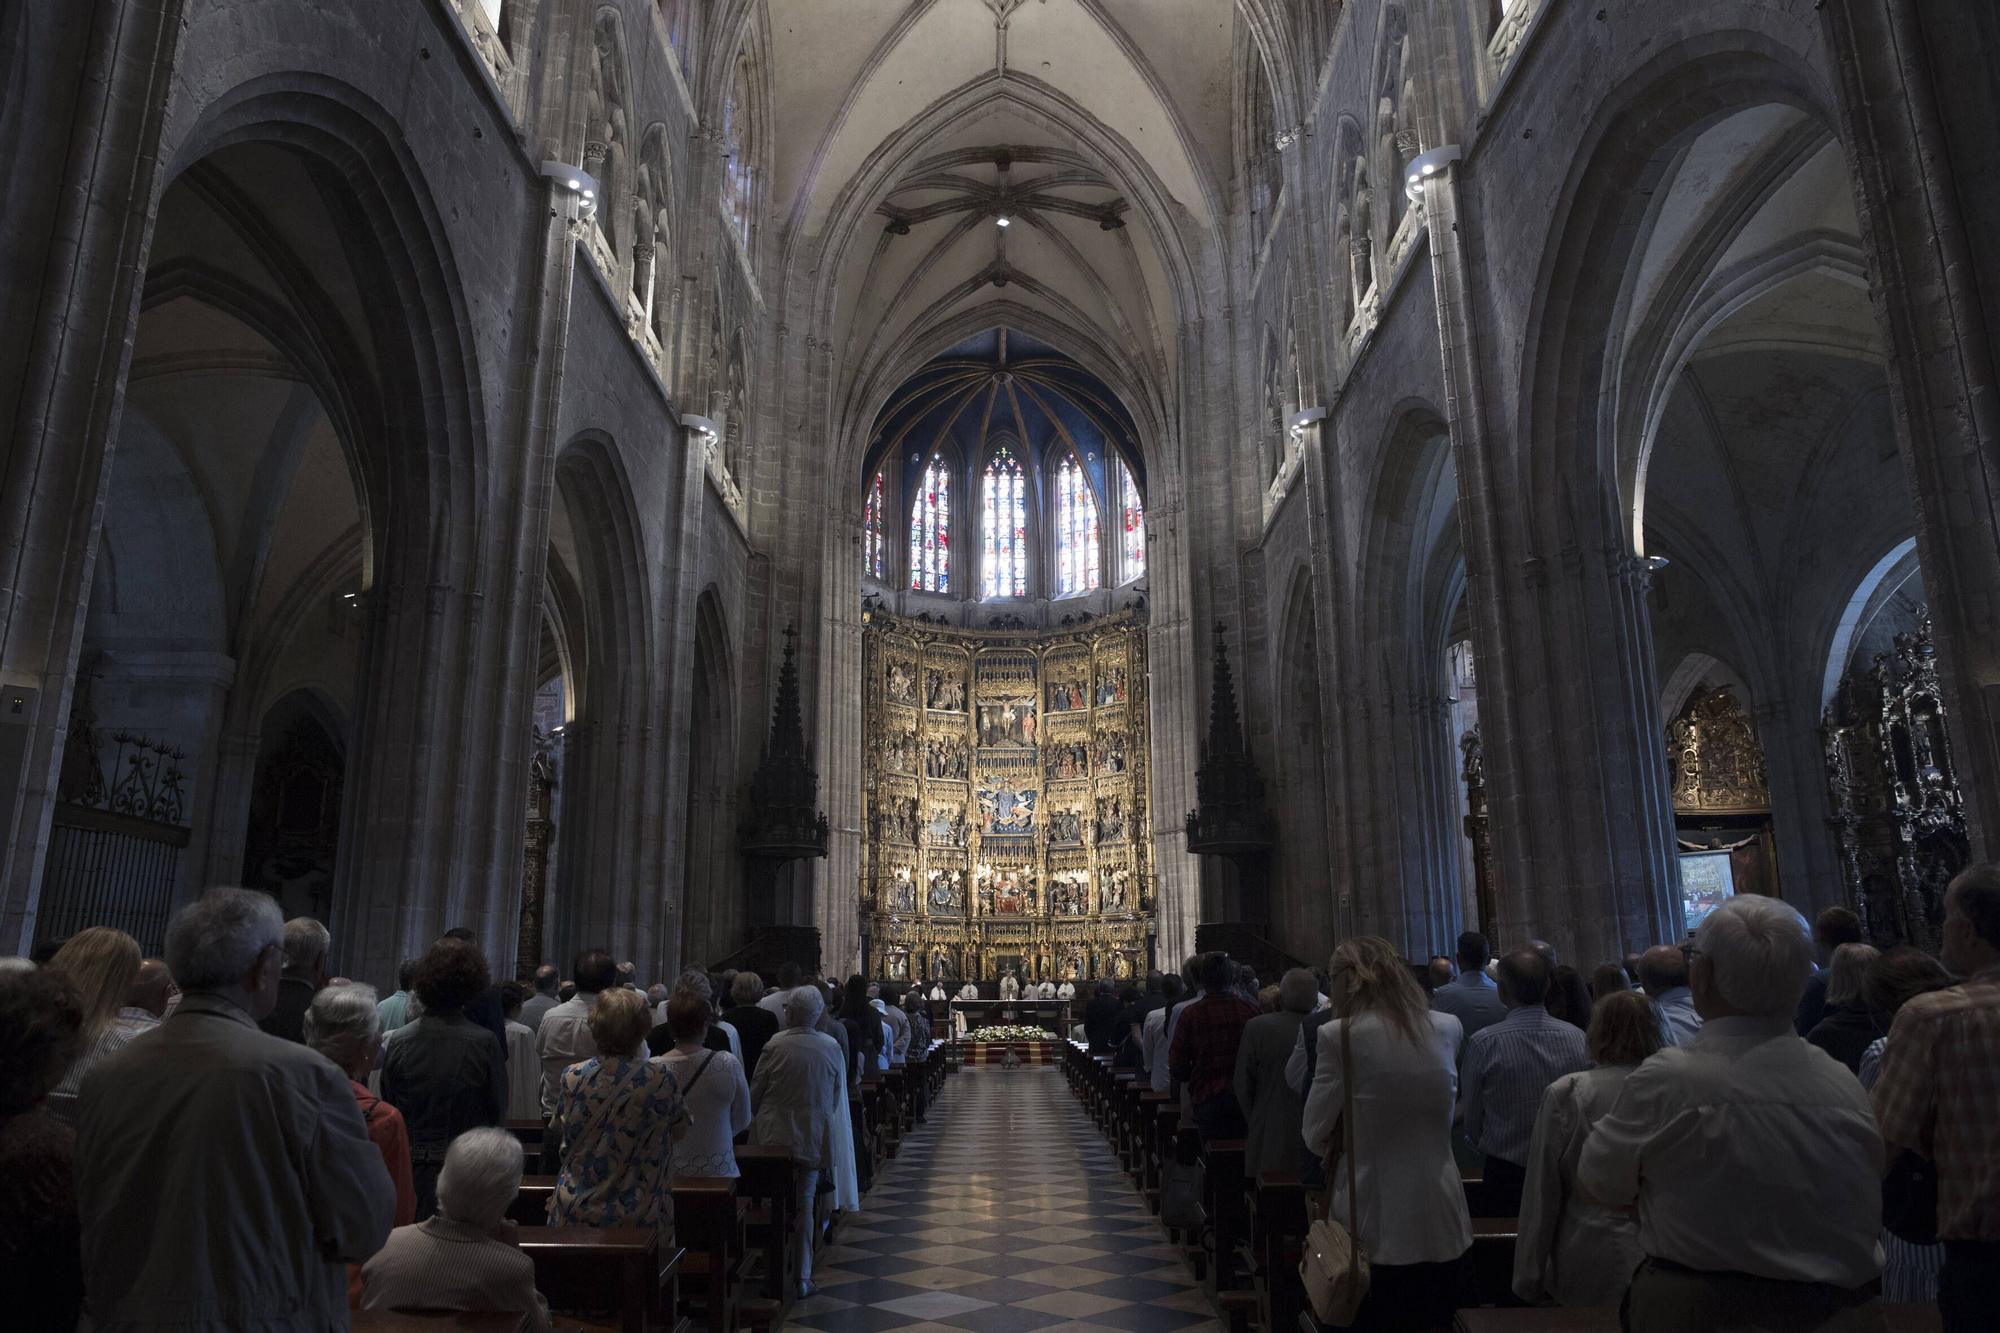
<point>1571,1250</point>
<point>1402,1060</point>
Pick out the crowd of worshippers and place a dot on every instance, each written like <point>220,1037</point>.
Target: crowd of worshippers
<point>227,1138</point>
<point>1719,1133</point>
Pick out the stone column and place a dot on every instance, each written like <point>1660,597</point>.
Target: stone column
<point>1919,115</point>
<point>74,228</point>
<point>1576,776</point>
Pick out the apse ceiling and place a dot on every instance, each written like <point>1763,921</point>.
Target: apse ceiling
<point>905,129</point>
<point>1002,384</point>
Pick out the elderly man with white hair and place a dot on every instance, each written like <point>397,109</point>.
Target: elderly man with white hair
<point>800,1096</point>
<point>464,1257</point>
<point>306,943</point>
<point>223,1175</point>
<point>344,1024</point>
<point>1752,1157</point>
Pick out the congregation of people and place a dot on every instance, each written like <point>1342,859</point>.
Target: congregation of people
<point>1770,1125</point>
<point>229,1138</point>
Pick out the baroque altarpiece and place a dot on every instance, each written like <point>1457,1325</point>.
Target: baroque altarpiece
<point>1006,777</point>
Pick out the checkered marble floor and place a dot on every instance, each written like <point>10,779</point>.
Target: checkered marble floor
<point>1005,1212</point>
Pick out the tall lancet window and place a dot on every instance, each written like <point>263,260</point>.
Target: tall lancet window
<point>1005,527</point>
<point>872,545</point>
<point>1078,563</point>
<point>930,530</point>
<point>1132,537</point>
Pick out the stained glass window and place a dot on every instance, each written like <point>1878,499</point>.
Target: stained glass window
<point>1078,562</point>
<point>1132,539</point>
<point>740,144</point>
<point>930,530</point>
<point>1004,527</point>
<point>871,531</point>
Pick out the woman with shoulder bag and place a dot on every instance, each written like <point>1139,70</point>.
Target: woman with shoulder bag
<point>712,1087</point>
<point>1379,1111</point>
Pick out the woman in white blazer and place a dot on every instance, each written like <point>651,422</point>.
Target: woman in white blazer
<point>1411,1212</point>
<point>1571,1250</point>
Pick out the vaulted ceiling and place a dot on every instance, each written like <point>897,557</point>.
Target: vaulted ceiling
<point>904,129</point>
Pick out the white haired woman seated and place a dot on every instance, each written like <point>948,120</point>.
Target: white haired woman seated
<point>464,1257</point>
<point>800,1101</point>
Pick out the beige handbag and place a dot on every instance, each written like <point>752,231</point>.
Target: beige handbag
<point>1334,1268</point>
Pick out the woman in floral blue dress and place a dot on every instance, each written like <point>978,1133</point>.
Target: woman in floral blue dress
<point>620,1114</point>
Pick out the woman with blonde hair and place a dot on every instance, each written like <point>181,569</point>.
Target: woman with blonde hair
<point>1851,1024</point>
<point>1570,1250</point>
<point>102,964</point>
<point>1398,1060</point>
<point>620,1114</point>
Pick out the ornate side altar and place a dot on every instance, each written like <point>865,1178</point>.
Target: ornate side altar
<point>1006,783</point>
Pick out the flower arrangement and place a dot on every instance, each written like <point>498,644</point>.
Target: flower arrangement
<point>1010,1033</point>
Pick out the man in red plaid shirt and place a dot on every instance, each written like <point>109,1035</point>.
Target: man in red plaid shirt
<point>1939,1095</point>
<point>1203,1055</point>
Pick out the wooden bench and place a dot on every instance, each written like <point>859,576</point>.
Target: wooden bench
<point>413,1321</point>
<point>708,1225</point>
<point>577,1268</point>
<point>1279,1221</point>
<point>529,1132</point>
<point>531,1204</point>
<point>769,1182</point>
<point>1222,1190</point>
<point>1493,1240</point>
<point>1604,1319</point>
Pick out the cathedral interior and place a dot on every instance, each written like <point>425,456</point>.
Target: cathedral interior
<point>944,488</point>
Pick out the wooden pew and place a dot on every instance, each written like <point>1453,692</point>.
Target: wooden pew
<point>529,1132</point>
<point>708,1225</point>
<point>531,1205</point>
<point>769,1181</point>
<point>1604,1319</point>
<point>1279,1222</point>
<point>1493,1241</point>
<point>1222,1188</point>
<point>579,1268</point>
<point>412,1321</point>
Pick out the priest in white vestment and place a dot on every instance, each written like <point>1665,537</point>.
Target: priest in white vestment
<point>1010,987</point>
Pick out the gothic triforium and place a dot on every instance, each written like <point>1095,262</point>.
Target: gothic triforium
<point>784,822</point>
<point>1229,818</point>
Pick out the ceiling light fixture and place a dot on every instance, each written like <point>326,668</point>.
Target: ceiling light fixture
<point>1003,221</point>
<point>578,185</point>
<point>1426,165</point>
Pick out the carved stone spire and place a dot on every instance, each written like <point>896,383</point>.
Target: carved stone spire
<point>783,821</point>
<point>1229,818</point>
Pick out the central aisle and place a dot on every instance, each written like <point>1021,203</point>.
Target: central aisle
<point>1006,1211</point>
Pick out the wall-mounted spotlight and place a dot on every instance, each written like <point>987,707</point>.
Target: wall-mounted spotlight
<point>1426,165</point>
<point>575,185</point>
<point>1304,417</point>
<point>701,426</point>
<point>1653,564</point>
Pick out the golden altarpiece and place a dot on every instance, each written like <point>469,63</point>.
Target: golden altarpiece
<point>1006,782</point>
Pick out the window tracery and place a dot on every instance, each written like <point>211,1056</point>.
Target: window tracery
<point>1132,536</point>
<point>872,543</point>
<point>930,530</point>
<point>1004,527</point>
<point>1078,537</point>
<point>739,138</point>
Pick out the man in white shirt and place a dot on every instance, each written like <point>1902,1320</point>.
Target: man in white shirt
<point>788,981</point>
<point>1753,1157</point>
<point>1046,991</point>
<point>564,1037</point>
<point>1066,991</point>
<point>937,991</point>
<point>1663,973</point>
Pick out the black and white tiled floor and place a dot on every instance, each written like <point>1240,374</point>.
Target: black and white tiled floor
<point>1006,1212</point>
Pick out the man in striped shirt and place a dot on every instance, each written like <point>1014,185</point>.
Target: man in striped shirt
<point>1508,1067</point>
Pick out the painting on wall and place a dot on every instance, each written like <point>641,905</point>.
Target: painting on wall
<point>1707,881</point>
